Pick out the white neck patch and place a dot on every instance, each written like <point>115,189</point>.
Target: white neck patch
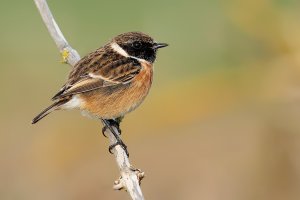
<point>119,49</point>
<point>122,52</point>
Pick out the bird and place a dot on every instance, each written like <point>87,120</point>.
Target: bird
<point>109,82</point>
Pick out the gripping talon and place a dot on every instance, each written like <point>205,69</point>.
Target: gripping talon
<point>115,124</point>
<point>108,125</point>
<point>118,143</point>
<point>103,131</point>
<point>111,123</point>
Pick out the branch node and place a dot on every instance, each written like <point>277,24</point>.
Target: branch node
<point>119,184</point>
<point>140,175</point>
<point>65,55</point>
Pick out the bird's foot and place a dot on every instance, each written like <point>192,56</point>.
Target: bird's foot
<point>121,143</point>
<point>109,124</point>
<point>113,123</point>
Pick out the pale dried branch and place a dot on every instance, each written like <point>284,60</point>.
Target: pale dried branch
<point>70,55</point>
<point>130,177</point>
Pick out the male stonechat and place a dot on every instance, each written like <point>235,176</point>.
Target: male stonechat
<point>110,81</point>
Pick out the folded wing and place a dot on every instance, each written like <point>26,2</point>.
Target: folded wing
<point>121,71</point>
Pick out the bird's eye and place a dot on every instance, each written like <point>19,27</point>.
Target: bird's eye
<point>137,45</point>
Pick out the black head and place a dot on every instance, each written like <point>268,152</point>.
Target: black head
<point>139,45</point>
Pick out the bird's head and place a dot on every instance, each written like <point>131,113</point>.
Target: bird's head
<point>138,45</point>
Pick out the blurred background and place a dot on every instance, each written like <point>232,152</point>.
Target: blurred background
<point>221,121</point>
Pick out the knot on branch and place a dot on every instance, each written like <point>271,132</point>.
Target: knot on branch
<point>69,55</point>
<point>120,183</point>
<point>65,55</point>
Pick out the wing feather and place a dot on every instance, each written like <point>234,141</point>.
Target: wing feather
<point>94,77</point>
<point>82,87</point>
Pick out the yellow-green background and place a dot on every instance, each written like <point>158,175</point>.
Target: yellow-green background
<point>222,120</point>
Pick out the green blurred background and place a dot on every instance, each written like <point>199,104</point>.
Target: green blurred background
<point>221,121</point>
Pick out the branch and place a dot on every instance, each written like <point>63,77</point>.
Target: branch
<point>69,54</point>
<point>130,177</point>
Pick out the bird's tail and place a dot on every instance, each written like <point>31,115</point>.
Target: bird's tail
<point>48,110</point>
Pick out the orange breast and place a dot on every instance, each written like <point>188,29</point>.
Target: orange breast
<point>119,101</point>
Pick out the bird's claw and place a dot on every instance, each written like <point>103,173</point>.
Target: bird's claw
<point>114,124</point>
<point>121,143</point>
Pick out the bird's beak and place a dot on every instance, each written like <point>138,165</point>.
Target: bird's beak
<point>160,45</point>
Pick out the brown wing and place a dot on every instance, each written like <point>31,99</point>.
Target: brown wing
<point>98,70</point>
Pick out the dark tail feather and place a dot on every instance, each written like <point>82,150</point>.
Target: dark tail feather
<point>48,110</point>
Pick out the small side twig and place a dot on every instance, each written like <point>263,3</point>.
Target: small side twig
<point>130,177</point>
